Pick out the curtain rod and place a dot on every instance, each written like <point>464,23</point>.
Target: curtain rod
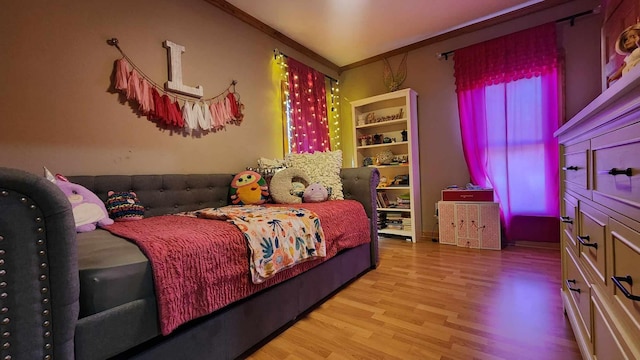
<point>277,52</point>
<point>571,18</point>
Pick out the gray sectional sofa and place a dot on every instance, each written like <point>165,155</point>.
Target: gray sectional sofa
<point>90,295</point>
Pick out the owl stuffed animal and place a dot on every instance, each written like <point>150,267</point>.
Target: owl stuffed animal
<point>248,188</point>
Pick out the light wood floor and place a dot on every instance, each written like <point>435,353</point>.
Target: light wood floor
<point>432,301</point>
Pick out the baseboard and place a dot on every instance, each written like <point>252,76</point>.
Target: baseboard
<point>430,236</point>
<point>537,244</point>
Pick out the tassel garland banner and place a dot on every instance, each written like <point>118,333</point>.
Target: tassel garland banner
<point>152,101</point>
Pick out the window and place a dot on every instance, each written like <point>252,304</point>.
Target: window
<point>509,105</point>
<point>311,117</point>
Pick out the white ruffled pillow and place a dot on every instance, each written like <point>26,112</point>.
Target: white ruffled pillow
<point>321,167</point>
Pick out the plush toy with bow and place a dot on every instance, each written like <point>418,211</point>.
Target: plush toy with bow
<point>88,209</point>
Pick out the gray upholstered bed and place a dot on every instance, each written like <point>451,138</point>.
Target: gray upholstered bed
<point>48,273</point>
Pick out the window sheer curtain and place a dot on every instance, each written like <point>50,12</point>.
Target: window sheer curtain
<point>308,124</point>
<point>509,103</point>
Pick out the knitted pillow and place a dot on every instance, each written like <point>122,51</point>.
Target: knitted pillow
<point>321,167</point>
<point>124,206</point>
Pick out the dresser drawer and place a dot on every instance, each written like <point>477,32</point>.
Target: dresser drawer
<point>569,220</point>
<point>626,270</point>
<point>575,169</point>
<point>579,292</point>
<point>606,345</point>
<point>592,240</point>
<point>616,163</point>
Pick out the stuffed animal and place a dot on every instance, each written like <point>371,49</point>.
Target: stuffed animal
<point>315,193</point>
<point>249,188</point>
<point>284,189</point>
<point>297,188</point>
<point>124,206</point>
<point>88,209</point>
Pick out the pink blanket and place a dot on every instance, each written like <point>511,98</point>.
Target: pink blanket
<point>201,265</point>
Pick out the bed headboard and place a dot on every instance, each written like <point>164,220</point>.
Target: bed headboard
<point>164,194</point>
<point>172,193</point>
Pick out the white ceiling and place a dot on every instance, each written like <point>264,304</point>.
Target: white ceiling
<point>347,31</point>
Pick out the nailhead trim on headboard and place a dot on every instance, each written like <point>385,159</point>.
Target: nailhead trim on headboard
<point>6,324</point>
<point>4,310</point>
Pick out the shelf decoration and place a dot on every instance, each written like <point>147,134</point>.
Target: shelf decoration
<point>373,118</point>
<point>152,100</point>
<point>393,81</point>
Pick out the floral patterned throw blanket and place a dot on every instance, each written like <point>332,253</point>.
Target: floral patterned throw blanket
<point>278,238</point>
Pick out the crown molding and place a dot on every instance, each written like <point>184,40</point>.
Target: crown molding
<point>250,20</point>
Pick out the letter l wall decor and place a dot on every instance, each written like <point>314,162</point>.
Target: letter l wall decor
<point>175,72</point>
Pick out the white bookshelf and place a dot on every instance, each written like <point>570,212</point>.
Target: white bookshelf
<point>388,116</point>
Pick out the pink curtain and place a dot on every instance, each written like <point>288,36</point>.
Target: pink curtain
<point>308,124</point>
<point>509,105</point>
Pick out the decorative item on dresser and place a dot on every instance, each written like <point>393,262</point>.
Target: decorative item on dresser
<point>395,115</point>
<point>601,222</point>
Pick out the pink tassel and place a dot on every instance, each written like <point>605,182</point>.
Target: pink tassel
<point>146,100</point>
<point>162,111</point>
<point>122,74</point>
<point>221,116</point>
<point>168,105</point>
<point>133,86</point>
<point>177,114</point>
<point>226,110</point>
<point>234,105</point>
<point>215,115</point>
<point>159,111</point>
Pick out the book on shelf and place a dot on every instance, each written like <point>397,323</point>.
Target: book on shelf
<point>379,200</point>
<point>403,201</point>
<point>383,199</point>
<point>394,226</point>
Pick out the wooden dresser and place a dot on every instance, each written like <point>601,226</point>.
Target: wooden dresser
<point>600,197</point>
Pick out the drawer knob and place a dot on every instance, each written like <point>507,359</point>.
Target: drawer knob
<point>618,279</point>
<point>572,168</point>
<point>569,286</point>
<point>616,171</point>
<point>566,219</point>
<point>584,240</point>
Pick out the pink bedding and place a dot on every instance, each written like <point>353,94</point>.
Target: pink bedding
<point>201,265</point>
